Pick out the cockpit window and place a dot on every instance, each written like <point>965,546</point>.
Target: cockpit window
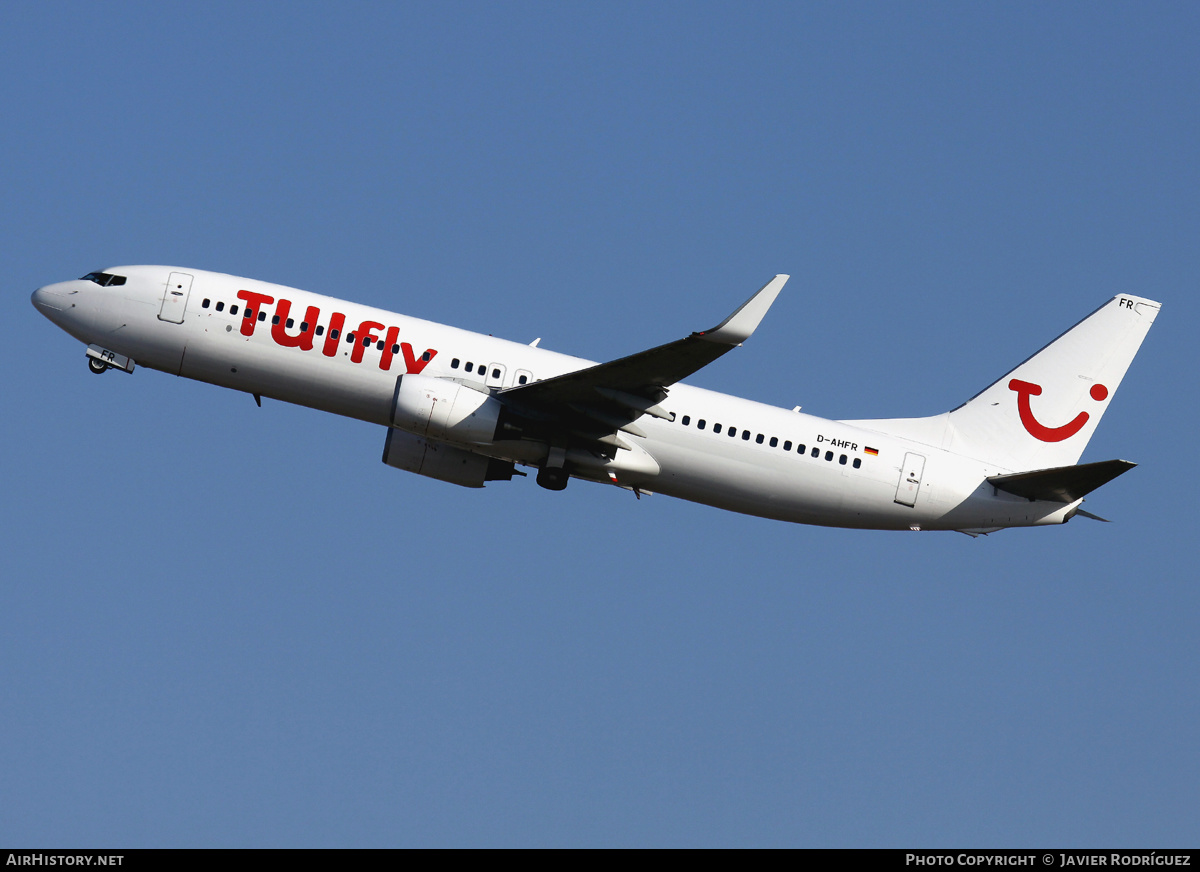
<point>104,280</point>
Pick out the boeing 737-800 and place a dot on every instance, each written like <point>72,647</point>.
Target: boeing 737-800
<point>468,408</point>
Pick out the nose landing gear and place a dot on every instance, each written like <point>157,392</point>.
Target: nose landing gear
<point>101,359</point>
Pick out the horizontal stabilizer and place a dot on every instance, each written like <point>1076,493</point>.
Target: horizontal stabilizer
<point>1063,484</point>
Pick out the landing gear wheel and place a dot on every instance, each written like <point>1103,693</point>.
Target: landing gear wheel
<point>97,366</point>
<point>553,479</point>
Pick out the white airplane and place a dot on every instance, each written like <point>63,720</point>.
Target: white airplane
<point>467,408</point>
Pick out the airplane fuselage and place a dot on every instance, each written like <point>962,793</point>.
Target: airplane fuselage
<point>712,448</point>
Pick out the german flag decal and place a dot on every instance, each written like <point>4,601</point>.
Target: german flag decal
<point>874,452</point>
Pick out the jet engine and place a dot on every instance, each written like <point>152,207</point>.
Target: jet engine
<point>441,461</point>
<point>444,410</point>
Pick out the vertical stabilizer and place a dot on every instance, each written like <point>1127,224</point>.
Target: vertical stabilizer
<point>1043,413</point>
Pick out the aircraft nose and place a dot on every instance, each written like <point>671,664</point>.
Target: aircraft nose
<point>46,301</point>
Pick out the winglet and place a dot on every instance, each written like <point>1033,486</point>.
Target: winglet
<point>737,328</point>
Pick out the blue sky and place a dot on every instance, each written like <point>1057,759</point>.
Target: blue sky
<point>234,626</point>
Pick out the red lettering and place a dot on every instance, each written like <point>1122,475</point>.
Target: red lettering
<point>364,336</point>
<point>336,324</point>
<point>304,339</point>
<point>389,342</point>
<point>254,304</point>
<point>411,362</point>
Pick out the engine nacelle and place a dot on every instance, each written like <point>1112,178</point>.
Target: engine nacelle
<point>444,410</point>
<point>441,461</point>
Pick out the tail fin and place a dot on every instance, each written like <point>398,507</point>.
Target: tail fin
<point>1043,413</point>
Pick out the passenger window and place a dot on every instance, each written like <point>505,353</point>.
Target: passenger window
<point>842,460</point>
<point>759,439</point>
<point>745,435</point>
<point>275,319</point>
<point>303,326</point>
<point>333,334</point>
<point>816,452</point>
<point>425,356</point>
<point>857,462</point>
<point>367,342</point>
<point>220,307</point>
<point>233,310</point>
<point>469,367</point>
<point>378,345</point>
<point>395,349</point>
<point>828,455</point>
<point>320,329</point>
<point>204,305</point>
<point>495,372</point>
<point>262,316</point>
<point>523,379</point>
<point>249,315</point>
<point>454,363</point>
<point>291,322</point>
<point>700,424</point>
<point>716,428</point>
<point>350,338</point>
<point>787,446</point>
<point>774,441</point>
<point>732,432</point>
<point>686,420</point>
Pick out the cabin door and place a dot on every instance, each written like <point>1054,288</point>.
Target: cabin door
<point>175,297</point>
<point>910,479</point>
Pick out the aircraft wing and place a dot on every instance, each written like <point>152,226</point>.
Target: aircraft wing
<point>610,396</point>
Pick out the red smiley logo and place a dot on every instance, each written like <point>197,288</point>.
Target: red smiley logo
<point>1025,390</point>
